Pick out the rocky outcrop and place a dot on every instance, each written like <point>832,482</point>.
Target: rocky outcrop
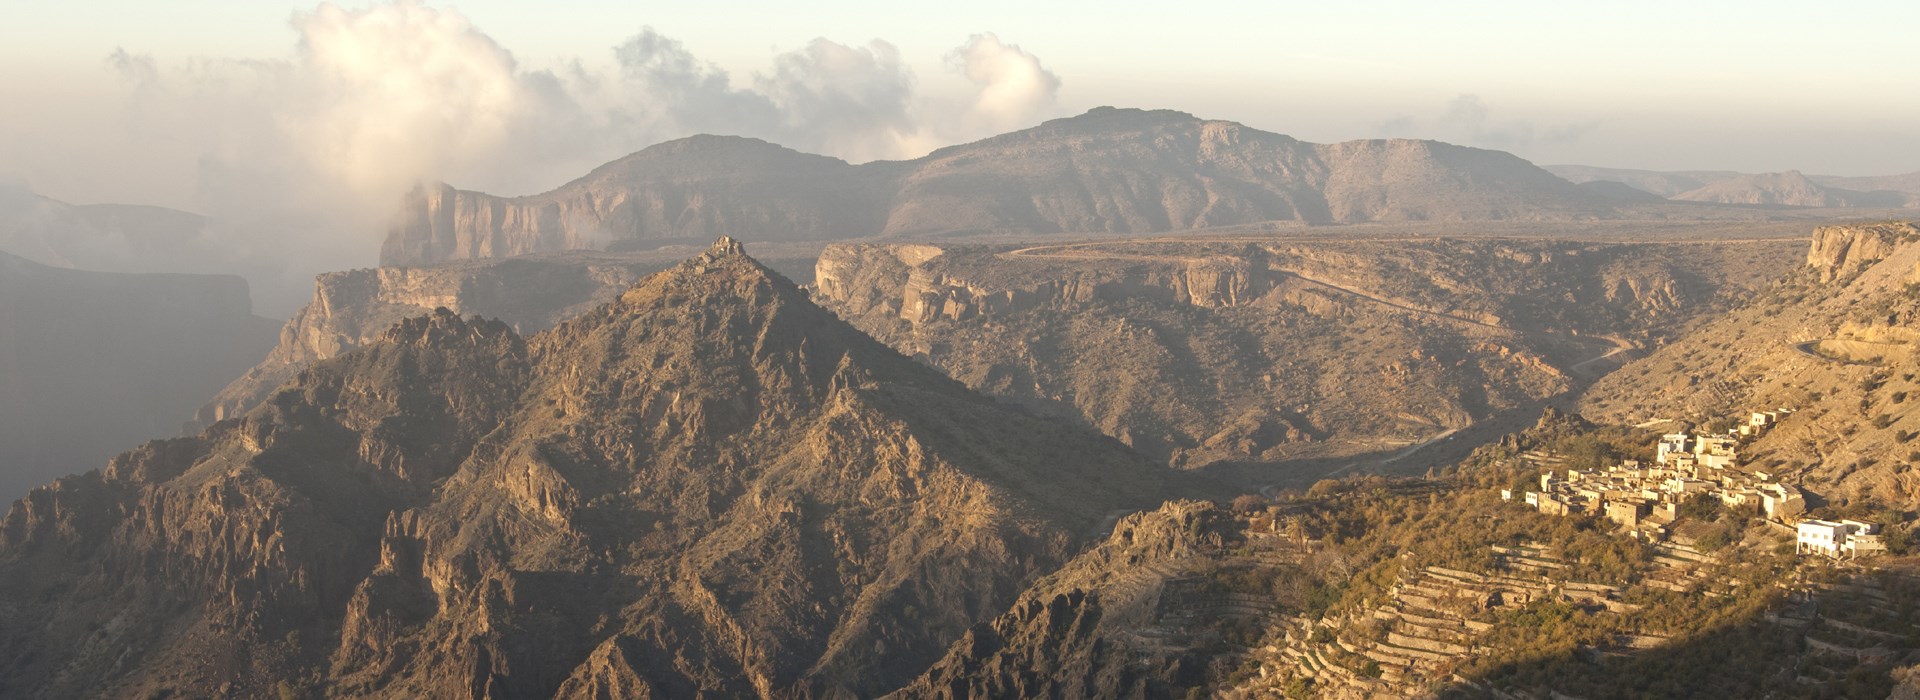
<point>353,308</point>
<point>1109,170</point>
<point>1840,250</point>
<point>1077,632</point>
<point>92,363</point>
<point>707,485</point>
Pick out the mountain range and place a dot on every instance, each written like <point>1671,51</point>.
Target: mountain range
<point>707,486</point>
<point>1790,188</point>
<point>1107,171</point>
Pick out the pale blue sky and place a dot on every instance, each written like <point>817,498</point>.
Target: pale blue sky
<point>1755,86</point>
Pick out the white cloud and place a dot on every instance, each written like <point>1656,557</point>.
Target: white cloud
<point>300,159</point>
<point>1013,88</point>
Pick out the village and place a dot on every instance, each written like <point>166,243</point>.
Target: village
<point>1647,500</point>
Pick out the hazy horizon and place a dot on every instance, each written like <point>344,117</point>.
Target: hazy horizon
<point>136,103</point>
<point>296,126</point>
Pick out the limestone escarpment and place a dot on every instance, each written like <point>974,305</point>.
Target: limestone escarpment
<point>92,363</point>
<point>1109,170</point>
<point>1265,350</point>
<point>706,485</point>
<point>1840,250</point>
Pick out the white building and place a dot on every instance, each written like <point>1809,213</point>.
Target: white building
<point>1672,444</point>
<point>1847,538</point>
<point>1819,537</point>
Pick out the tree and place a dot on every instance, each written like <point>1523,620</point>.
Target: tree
<point>1701,506</point>
<point>1248,503</point>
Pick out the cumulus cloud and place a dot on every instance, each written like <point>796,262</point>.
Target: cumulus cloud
<point>1468,120</point>
<point>299,160</point>
<point>1013,89</point>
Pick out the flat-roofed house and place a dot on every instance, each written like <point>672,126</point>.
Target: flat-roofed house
<point>1819,537</point>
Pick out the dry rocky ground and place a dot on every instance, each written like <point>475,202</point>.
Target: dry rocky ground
<point>1263,350</point>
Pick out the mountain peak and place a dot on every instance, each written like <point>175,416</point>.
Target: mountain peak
<point>726,247</point>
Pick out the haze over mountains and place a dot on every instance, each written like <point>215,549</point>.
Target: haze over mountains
<point>933,468</point>
<point>94,363</point>
<point>1790,188</point>
<point>1106,171</point>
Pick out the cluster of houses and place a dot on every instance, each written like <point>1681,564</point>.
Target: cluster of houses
<point>1645,499</point>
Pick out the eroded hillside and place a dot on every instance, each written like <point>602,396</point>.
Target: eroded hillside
<point>1269,350</point>
<point>1835,341</point>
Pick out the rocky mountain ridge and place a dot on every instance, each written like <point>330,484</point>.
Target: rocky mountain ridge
<point>356,307</point>
<point>1109,170</point>
<point>705,486</point>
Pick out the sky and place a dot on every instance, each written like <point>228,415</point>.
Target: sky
<point>313,118</point>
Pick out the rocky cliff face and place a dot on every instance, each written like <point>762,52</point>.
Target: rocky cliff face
<point>1836,341</point>
<point>92,363</point>
<point>1839,251</point>
<point>1110,170</point>
<point>706,486</point>
<point>1266,351</point>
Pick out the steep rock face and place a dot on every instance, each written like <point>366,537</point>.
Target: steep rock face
<point>1841,250</point>
<point>92,363</point>
<point>1265,351</point>
<point>1110,170</point>
<point>355,307</point>
<point>707,485</point>
<point>1835,340</point>
<point>1074,633</point>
